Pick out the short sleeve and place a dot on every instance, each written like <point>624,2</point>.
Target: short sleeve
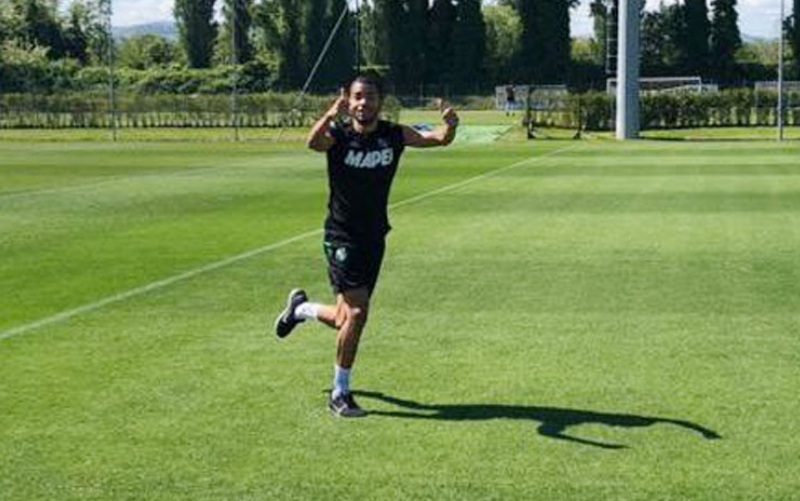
<point>336,131</point>
<point>398,138</point>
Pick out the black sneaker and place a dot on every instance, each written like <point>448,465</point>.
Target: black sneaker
<point>345,406</point>
<point>287,320</point>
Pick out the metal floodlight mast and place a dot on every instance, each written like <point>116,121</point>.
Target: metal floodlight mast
<point>780,76</point>
<point>628,70</point>
<point>234,72</point>
<point>106,12</point>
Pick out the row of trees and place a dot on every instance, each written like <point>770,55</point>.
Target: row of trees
<point>681,38</point>
<point>689,38</point>
<point>464,44</point>
<point>38,26</point>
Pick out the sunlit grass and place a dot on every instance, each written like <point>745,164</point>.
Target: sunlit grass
<point>583,320</point>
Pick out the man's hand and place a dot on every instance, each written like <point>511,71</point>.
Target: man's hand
<point>442,136</point>
<point>449,115</point>
<point>339,107</point>
<point>319,138</point>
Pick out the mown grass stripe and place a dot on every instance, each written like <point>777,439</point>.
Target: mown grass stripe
<point>67,314</point>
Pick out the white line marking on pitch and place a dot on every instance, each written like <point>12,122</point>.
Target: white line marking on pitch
<point>66,314</point>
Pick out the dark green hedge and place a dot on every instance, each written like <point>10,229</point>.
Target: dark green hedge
<point>271,109</point>
<point>736,107</point>
<point>82,110</point>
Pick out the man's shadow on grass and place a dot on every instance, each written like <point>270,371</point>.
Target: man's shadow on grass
<point>554,421</point>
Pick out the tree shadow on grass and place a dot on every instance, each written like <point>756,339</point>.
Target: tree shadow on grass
<point>554,421</point>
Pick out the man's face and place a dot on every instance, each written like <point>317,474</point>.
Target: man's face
<point>364,102</point>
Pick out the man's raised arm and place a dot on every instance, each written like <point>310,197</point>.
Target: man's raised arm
<point>320,138</point>
<point>441,136</point>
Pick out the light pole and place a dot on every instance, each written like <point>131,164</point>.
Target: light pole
<point>107,14</point>
<point>780,76</point>
<point>628,70</point>
<point>234,72</point>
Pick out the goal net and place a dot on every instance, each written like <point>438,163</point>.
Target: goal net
<point>766,100</point>
<point>503,92</point>
<point>666,85</point>
<point>549,106</point>
<point>769,89</point>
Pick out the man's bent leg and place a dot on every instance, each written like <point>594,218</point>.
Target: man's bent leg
<point>327,315</point>
<point>332,316</point>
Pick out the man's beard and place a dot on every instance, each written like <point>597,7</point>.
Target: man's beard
<point>367,119</point>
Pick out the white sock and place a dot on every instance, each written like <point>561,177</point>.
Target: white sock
<point>341,381</point>
<point>307,311</point>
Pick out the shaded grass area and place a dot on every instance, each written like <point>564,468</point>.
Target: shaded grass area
<point>611,321</point>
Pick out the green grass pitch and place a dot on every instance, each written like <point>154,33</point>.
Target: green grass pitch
<point>555,320</point>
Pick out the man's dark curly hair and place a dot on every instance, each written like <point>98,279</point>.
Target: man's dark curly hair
<point>369,77</point>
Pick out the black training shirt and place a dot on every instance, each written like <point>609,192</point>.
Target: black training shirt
<point>360,172</point>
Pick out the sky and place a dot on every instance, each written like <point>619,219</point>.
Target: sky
<point>757,18</point>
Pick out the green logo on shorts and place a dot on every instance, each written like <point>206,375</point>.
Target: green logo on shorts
<point>340,254</point>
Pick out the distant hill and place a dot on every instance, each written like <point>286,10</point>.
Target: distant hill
<point>166,29</point>
<point>756,39</point>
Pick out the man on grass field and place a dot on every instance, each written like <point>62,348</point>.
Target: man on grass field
<point>363,153</point>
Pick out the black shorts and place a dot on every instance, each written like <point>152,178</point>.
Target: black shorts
<point>352,265</point>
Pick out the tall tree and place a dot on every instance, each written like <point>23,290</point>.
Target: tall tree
<point>698,33</point>
<point>338,64</point>
<point>725,38</point>
<point>341,59</point>
<point>81,26</point>
<point>503,30</point>
<point>239,11</point>
<point>561,48</point>
<point>545,40</point>
<point>198,30</point>
<point>792,28</point>
<point>370,51</point>
<point>532,39</point>
<point>389,18</point>
<point>39,25</point>
<point>315,30</point>
<point>415,36</point>
<point>441,24</point>
<point>599,10</point>
<point>104,45</point>
<point>75,38</point>
<point>146,51</point>
<point>5,21</point>
<point>292,69</point>
<point>469,43</point>
<point>280,22</point>
<point>664,40</point>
